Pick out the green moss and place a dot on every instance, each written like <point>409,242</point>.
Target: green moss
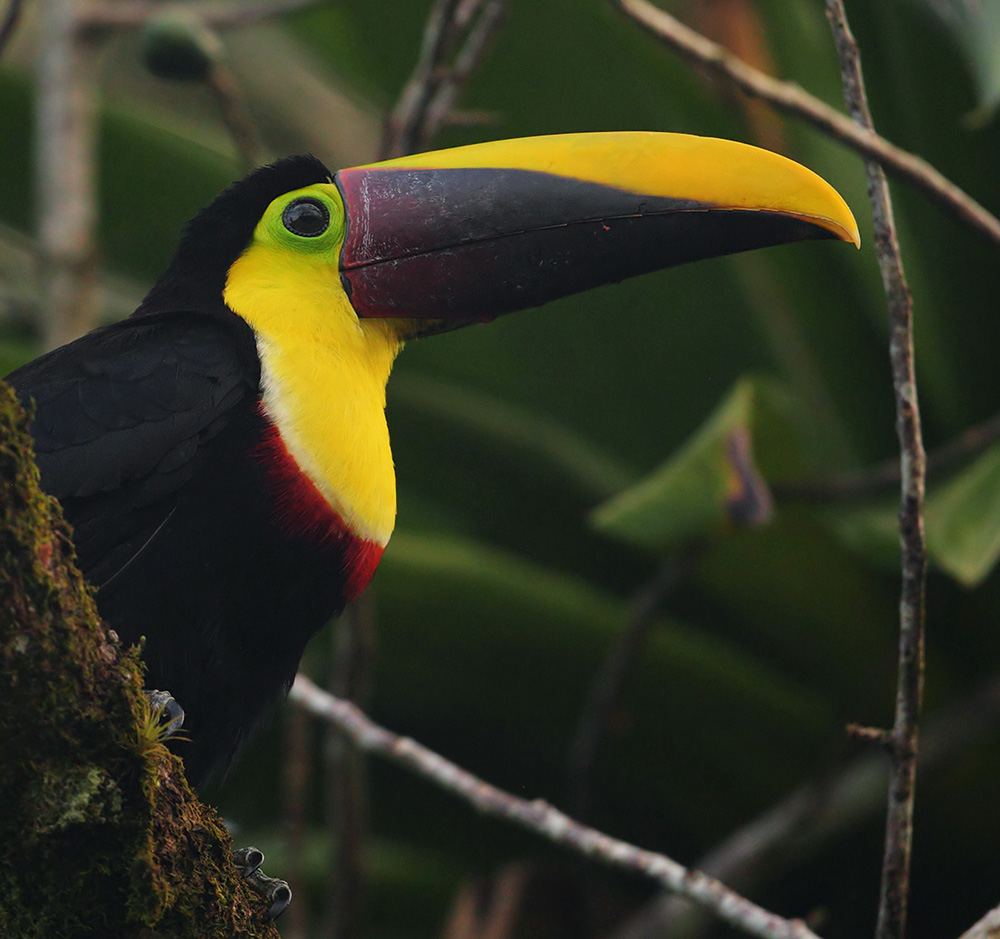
<point>75,795</point>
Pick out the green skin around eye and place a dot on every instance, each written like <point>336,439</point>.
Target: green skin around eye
<point>271,229</point>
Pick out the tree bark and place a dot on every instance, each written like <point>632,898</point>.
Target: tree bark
<point>101,834</point>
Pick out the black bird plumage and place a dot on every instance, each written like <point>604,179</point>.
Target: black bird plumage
<point>148,432</point>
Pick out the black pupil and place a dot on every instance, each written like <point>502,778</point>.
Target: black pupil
<point>306,217</point>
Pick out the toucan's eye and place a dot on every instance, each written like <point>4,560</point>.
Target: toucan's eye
<point>306,217</point>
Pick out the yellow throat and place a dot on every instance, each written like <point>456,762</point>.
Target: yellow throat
<point>323,376</point>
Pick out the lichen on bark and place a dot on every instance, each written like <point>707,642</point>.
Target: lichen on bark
<point>100,833</point>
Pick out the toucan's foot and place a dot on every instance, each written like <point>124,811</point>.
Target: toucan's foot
<point>276,892</point>
<point>168,711</point>
<point>248,860</point>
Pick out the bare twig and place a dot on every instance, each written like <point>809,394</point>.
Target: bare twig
<point>65,140</point>
<point>202,60</point>
<point>404,120</point>
<point>814,815</point>
<point>235,115</point>
<point>10,19</point>
<point>493,909</point>
<point>541,818</point>
<point>607,684</point>
<point>987,928</point>
<point>903,739</point>
<point>440,109</point>
<point>884,477</point>
<point>427,99</point>
<point>869,734</point>
<point>298,769</point>
<point>345,793</point>
<point>132,14</point>
<point>66,132</point>
<point>472,118</point>
<point>792,99</point>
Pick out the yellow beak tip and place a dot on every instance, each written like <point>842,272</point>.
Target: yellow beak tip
<point>844,226</point>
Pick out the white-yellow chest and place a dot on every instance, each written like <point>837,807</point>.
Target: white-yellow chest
<point>323,376</point>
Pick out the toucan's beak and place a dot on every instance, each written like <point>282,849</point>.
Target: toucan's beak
<point>465,235</point>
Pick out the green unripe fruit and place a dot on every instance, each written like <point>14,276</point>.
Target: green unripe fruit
<point>179,47</point>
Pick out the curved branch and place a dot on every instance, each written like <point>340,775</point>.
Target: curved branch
<point>793,99</point>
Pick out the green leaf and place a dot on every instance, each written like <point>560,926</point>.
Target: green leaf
<point>542,445</point>
<point>963,521</point>
<point>975,27</point>
<point>872,532</point>
<point>179,47</point>
<point>711,481</point>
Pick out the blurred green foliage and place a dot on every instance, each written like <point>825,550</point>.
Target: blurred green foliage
<point>499,596</point>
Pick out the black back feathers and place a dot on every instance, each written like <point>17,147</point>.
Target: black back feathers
<point>218,234</point>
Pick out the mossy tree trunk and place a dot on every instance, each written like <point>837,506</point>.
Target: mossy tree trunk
<point>99,832</point>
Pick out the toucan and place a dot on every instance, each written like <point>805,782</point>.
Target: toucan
<point>222,454</point>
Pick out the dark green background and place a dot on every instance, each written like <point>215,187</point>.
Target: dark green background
<point>498,598</point>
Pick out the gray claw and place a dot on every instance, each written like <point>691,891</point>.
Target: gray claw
<point>171,714</point>
<point>248,860</point>
<point>276,892</point>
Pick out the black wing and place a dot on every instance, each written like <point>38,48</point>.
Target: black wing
<point>122,418</point>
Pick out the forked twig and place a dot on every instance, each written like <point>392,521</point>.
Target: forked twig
<point>428,98</point>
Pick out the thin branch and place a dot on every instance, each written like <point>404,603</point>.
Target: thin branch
<point>882,478</point>
<point>9,23</point>
<point>402,126</point>
<point>297,771</point>
<point>792,99</point>
<point>440,109</point>
<point>428,98</point>
<point>346,804</point>
<point>542,819</point>
<point>987,928</point>
<point>903,739</point>
<point>812,816</point>
<point>133,14</point>
<point>65,173</point>
<point>605,689</point>
<point>466,117</point>
<point>221,81</point>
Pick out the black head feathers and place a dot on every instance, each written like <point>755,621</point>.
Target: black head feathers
<point>217,235</point>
